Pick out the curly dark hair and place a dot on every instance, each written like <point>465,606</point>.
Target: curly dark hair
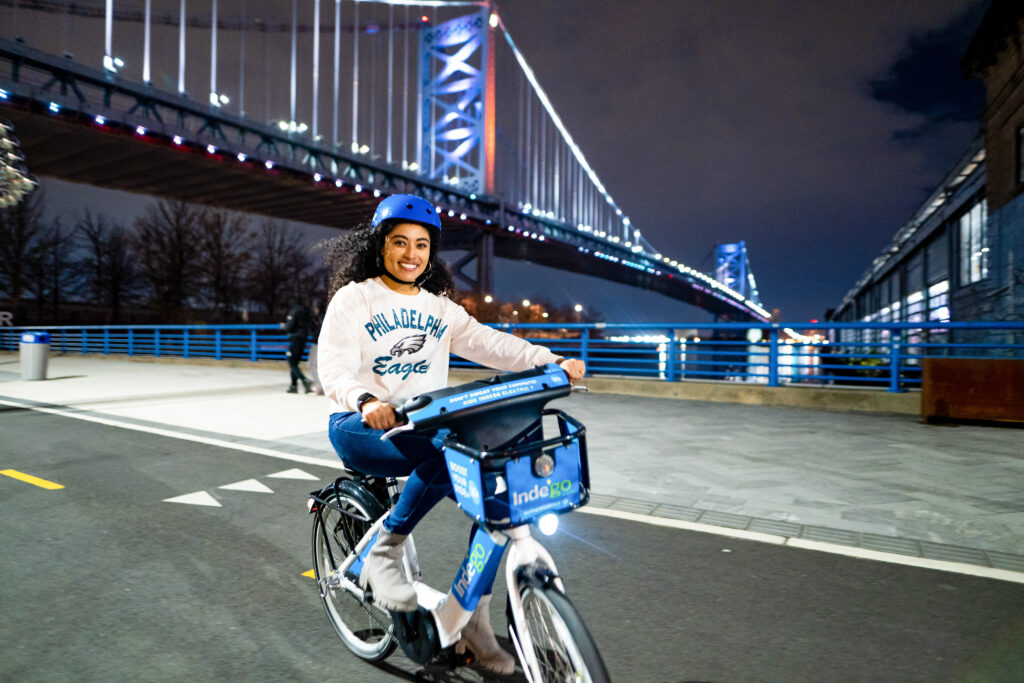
<point>355,256</point>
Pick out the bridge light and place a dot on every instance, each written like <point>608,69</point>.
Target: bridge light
<point>451,213</point>
<point>472,195</point>
<point>139,130</point>
<point>100,120</point>
<point>3,94</point>
<point>414,166</point>
<point>283,125</point>
<point>488,299</point>
<point>54,107</point>
<point>359,188</point>
<point>118,62</point>
<point>364,149</point>
<point>178,140</point>
<point>302,128</point>
<point>462,216</point>
<point>578,308</point>
<point>211,149</point>
<point>269,164</point>
<point>242,157</point>
<point>376,193</point>
<point>317,177</point>
<point>338,183</point>
<point>425,19</point>
<point>544,314</point>
<point>493,20</point>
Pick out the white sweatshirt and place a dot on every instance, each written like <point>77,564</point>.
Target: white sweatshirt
<point>395,346</point>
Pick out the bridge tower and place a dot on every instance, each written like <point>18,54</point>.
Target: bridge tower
<point>457,120</point>
<point>732,268</point>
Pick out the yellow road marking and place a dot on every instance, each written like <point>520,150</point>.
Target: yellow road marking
<point>310,574</point>
<point>28,478</point>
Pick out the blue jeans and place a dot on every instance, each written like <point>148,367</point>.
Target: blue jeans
<point>417,455</point>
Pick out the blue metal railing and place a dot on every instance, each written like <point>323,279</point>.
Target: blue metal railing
<point>875,355</point>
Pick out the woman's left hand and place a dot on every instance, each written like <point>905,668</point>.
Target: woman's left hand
<point>574,368</point>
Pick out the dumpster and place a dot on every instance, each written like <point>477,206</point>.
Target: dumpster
<point>35,353</point>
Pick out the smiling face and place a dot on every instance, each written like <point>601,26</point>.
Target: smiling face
<point>406,251</point>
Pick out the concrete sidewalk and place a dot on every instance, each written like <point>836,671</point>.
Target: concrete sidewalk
<point>881,481</point>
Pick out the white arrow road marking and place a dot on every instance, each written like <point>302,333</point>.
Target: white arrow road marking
<point>294,473</point>
<point>247,485</point>
<point>197,498</point>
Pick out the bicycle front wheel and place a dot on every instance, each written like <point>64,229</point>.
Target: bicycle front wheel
<point>561,644</point>
<point>365,629</point>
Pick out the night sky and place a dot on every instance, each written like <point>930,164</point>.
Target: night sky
<point>811,129</point>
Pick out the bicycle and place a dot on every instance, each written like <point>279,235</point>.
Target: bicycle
<point>505,475</point>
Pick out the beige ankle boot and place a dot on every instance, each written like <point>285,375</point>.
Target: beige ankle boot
<point>478,636</point>
<point>384,573</point>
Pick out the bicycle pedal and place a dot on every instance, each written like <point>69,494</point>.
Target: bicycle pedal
<point>333,581</point>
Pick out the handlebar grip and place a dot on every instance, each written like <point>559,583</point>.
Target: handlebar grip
<point>400,416</point>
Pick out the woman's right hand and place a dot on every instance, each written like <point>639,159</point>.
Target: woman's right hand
<point>379,415</point>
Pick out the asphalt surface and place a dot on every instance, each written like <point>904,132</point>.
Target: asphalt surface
<point>103,580</point>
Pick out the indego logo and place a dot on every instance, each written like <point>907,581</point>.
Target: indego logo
<point>474,564</point>
<point>551,490</point>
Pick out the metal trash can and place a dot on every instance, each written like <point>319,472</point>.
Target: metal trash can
<point>35,354</point>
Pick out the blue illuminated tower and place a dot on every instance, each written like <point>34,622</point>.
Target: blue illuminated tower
<point>457,96</point>
<point>732,268</point>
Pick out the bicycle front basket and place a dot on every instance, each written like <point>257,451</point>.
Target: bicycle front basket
<point>560,482</point>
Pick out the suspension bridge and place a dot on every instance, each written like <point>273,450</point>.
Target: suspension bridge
<point>311,110</point>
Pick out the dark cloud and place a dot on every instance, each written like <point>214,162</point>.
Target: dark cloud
<point>927,80</point>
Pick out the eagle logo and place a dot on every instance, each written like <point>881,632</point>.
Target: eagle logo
<point>410,345</point>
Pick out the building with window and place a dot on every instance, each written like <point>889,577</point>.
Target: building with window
<point>961,256</point>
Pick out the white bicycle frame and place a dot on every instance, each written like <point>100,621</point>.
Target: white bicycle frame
<point>449,615</point>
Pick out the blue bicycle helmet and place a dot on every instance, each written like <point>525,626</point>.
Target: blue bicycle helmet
<point>407,207</point>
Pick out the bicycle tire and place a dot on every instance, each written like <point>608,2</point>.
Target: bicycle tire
<point>563,646</point>
<point>365,629</point>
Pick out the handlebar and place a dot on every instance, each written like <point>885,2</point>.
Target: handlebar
<point>485,410</point>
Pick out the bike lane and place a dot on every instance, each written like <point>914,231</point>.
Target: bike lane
<point>104,579</point>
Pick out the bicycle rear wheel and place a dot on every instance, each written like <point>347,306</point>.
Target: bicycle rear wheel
<point>564,649</point>
<point>350,511</point>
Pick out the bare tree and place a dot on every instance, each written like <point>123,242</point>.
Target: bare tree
<point>108,267</point>
<point>167,244</point>
<point>278,268</point>
<point>21,228</point>
<point>51,267</point>
<point>227,250</point>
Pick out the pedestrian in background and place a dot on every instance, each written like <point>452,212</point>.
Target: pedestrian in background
<point>297,326</point>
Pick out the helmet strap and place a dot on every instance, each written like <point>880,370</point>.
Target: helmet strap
<point>388,274</point>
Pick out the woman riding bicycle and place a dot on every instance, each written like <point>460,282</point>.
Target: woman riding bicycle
<point>387,334</point>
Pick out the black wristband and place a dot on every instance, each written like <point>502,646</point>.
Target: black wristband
<point>364,398</point>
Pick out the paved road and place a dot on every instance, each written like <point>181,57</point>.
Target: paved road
<point>102,580</point>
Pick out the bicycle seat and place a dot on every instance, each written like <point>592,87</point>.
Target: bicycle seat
<point>485,414</point>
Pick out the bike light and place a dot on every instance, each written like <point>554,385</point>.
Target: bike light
<point>548,524</point>
<point>309,504</point>
<point>544,466</point>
